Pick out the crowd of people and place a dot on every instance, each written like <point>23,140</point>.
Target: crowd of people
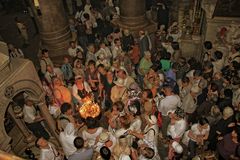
<point>150,96</point>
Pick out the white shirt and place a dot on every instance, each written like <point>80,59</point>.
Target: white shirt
<point>66,138</point>
<point>105,51</point>
<point>218,65</point>
<point>168,104</point>
<point>29,113</point>
<point>196,132</point>
<point>151,137</point>
<point>73,51</point>
<point>189,104</point>
<point>136,125</point>
<point>116,51</point>
<point>49,153</point>
<point>177,129</point>
<point>91,138</point>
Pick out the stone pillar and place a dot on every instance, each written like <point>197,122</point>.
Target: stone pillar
<point>133,17</point>
<point>132,13</point>
<point>53,27</point>
<point>48,118</point>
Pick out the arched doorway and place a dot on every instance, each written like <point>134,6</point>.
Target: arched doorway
<point>14,125</point>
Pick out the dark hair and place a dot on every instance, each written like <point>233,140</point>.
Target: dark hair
<point>36,142</point>
<point>44,51</point>
<point>202,121</point>
<point>125,121</point>
<point>228,93</point>
<point>65,107</point>
<point>100,66</point>
<point>86,16</point>
<point>237,48</point>
<point>185,79</point>
<point>150,153</point>
<point>120,105</point>
<point>78,142</point>
<point>116,30</point>
<point>115,40</point>
<point>218,55</point>
<point>167,56</point>
<point>137,105</point>
<point>155,67</point>
<point>105,153</point>
<point>176,66</point>
<point>197,73</point>
<point>214,87</point>
<point>91,62</point>
<point>207,45</point>
<point>91,123</point>
<point>208,64</point>
<point>170,39</point>
<point>194,64</point>
<point>175,45</point>
<point>149,93</point>
<point>182,60</point>
<point>237,130</point>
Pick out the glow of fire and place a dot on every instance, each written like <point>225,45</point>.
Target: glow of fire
<point>89,108</point>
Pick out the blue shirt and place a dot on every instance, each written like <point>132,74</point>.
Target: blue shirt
<point>82,154</point>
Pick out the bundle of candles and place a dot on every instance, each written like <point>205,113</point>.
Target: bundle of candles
<point>89,108</point>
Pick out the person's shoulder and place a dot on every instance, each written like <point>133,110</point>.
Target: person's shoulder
<point>194,126</point>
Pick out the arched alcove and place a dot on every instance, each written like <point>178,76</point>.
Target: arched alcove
<point>15,137</point>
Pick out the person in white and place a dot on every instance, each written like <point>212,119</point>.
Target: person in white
<point>189,104</point>
<point>196,136</point>
<point>168,104</point>
<point>178,124</point>
<point>116,48</point>
<point>45,61</point>
<point>53,72</point>
<point>105,51</point>
<point>92,132</point>
<point>33,120</point>
<point>218,64</point>
<point>149,136</point>
<point>47,150</point>
<point>66,138</point>
<point>73,49</point>
<point>176,129</point>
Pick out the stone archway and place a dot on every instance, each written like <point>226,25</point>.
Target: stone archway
<point>32,88</point>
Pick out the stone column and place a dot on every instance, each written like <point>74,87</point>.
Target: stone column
<point>132,13</point>
<point>48,118</point>
<point>133,17</point>
<point>53,27</point>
